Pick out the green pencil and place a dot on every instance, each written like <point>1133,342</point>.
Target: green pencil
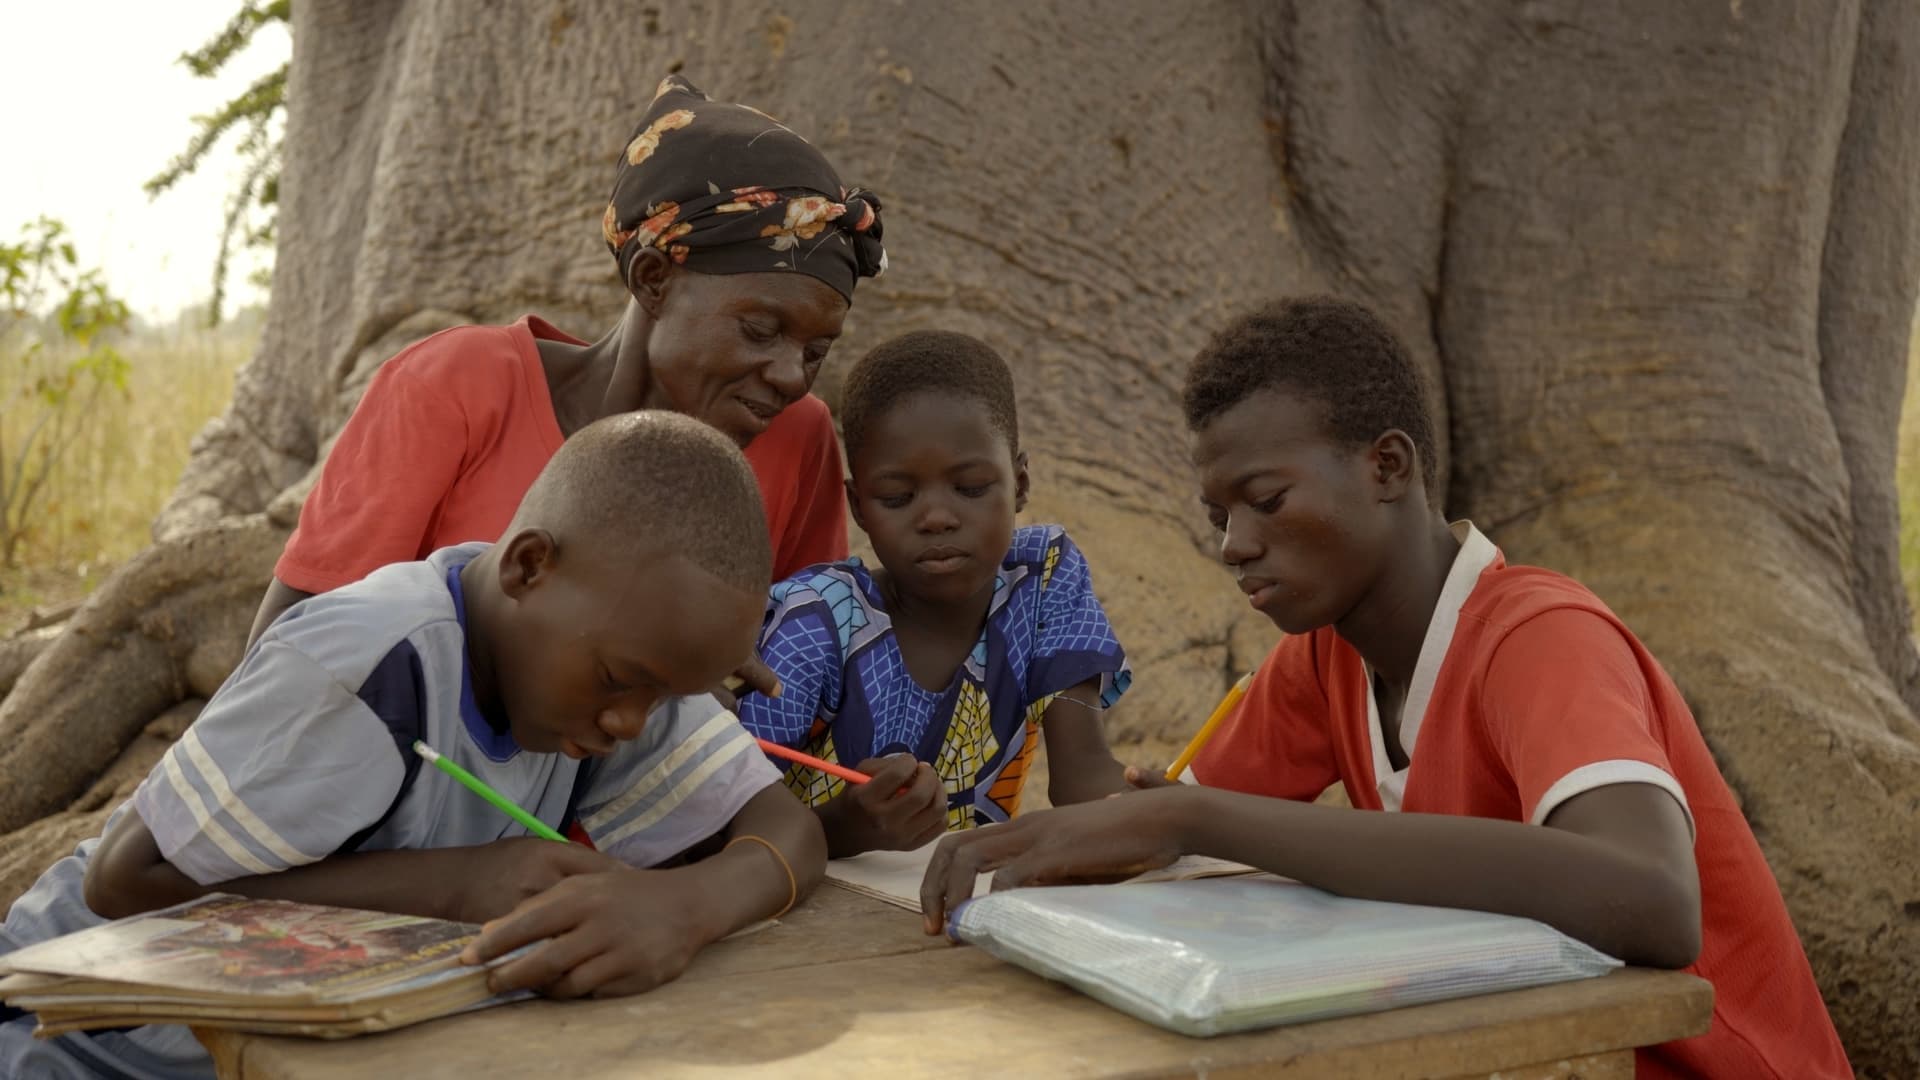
<point>473,783</point>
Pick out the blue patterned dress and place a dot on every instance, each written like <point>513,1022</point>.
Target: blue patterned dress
<point>847,695</point>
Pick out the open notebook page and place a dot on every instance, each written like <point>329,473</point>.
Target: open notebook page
<point>894,876</point>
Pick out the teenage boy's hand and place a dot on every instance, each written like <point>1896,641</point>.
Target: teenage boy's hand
<point>619,932</point>
<point>499,876</point>
<point>1140,779</point>
<point>1103,840</point>
<point>903,807</point>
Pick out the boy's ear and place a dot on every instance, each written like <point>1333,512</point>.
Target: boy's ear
<point>526,561</point>
<point>647,277</point>
<point>1021,481</point>
<point>1395,465</point>
<point>853,505</point>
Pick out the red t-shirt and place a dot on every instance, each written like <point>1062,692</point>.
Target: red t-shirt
<point>1527,692</point>
<point>452,431</point>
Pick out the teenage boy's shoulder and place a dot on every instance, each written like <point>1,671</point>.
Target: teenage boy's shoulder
<point>1508,596</point>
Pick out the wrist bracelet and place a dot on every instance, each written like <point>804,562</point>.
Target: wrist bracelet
<point>793,884</point>
<point>1057,698</point>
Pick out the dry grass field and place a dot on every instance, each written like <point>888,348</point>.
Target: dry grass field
<point>102,495</point>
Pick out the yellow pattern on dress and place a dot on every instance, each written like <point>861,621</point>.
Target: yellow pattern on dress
<point>808,784</point>
<point>969,745</point>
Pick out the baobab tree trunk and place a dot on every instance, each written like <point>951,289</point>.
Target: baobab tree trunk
<point>1659,259</point>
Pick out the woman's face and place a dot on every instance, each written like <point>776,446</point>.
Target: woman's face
<point>732,350</point>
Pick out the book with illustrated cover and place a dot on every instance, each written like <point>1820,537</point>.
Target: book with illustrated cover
<point>252,965</point>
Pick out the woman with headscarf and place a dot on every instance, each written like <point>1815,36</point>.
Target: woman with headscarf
<point>739,249</point>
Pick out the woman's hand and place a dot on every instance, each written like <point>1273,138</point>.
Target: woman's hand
<point>751,677</point>
<point>1105,840</point>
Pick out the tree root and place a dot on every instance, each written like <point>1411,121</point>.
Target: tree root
<point>20,650</point>
<point>26,853</point>
<point>169,624</point>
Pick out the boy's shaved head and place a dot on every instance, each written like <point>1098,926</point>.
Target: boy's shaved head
<point>655,481</point>
<point>1329,350</point>
<point>936,361</point>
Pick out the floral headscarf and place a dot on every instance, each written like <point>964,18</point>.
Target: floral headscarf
<point>727,189</point>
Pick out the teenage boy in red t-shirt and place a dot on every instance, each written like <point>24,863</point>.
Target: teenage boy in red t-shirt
<point>1535,759</point>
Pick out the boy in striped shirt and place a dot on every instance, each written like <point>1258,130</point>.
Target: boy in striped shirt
<point>565,666</point>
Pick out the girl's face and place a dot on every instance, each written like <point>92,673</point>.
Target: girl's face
<point>935,487</point>
<point>733,350</point>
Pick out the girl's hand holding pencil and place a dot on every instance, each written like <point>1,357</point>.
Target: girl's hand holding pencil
<point>902,806</point>
<point>861,818</point>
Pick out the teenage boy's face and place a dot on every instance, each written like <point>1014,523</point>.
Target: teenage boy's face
<point>935,488</point>
<point>733,350</point>
<point>594,640</point>
<point>1296,510</point>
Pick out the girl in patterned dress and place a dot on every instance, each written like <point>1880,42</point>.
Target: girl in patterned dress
<point>939,671</point>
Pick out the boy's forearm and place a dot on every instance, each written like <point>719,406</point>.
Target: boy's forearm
<point>1603,894</point>
<point>128,876</point>
<point>746,882</point>
<point>426,883</point>
<point>403,882</point>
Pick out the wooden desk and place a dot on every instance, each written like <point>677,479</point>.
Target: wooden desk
<point>896,1003</point>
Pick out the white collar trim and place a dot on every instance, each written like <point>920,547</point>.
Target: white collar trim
<point>1475,555</point>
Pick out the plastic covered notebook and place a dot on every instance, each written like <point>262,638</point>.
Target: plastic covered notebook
<point>1233,954</point>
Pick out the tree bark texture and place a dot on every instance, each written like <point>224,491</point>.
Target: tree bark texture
<point>1659,259</point>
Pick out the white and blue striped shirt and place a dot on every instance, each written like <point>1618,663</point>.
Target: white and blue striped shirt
<point>306,752</point>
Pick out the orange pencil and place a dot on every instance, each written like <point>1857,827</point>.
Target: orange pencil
<point>852,776</point>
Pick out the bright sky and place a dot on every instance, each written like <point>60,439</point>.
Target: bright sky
<point>95,104</point>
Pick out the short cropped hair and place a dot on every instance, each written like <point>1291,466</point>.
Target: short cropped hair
<point>1330,350</point>
<point>649,482</point>
<point>935,361</point>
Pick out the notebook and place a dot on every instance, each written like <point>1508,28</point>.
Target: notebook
<point>894,877</point>
<point>1205,957</point>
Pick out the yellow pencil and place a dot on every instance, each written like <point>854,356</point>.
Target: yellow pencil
<point>1220,714</point>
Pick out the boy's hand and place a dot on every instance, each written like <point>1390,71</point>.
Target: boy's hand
<point>903,807</point>
<point>619,932</point>
<point>1103,840</point>
<point>500,876</point>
